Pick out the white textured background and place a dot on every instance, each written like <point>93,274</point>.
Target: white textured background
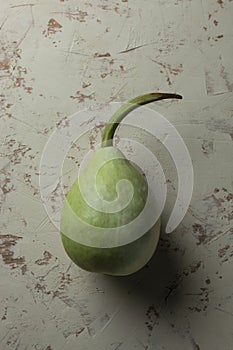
<point>57,57</point>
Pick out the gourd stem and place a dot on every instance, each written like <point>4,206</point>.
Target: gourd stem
<point>121,113</point>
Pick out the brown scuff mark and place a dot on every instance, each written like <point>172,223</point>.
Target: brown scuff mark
<point>4,107</point>
<point>85,314</point>
<point>120,11</point>
<point>225,254</point>
<point>7,242</point>
<point>210,85</point>
<point>53,27</point>
<point>82,97</point>
<point>89,4</point>
<point>168,70</point>
<point>5,314</point>
<point>6,186</point>
<point>201,233</point>
<point>5,64</point>
<point>79,331</point>
<point>10,68</point>
<point>92,140</point>
<point>60,293</point>
<point>67,333</point>
<point>152,320</point>
<point>210,15</point>
<point>85,85</point>
<point>24,269</point>
<point>202,301</point>
<point>222,72</point>
<point>193,268</point>
<point>95,133</point>
<point>101,55</point>
<point>222,251</point>
<point>105,7</point>
<point>42,288</point>
<point>45,260</point>
<point>222,125</point>
<point>229,197</point>
<point>49,347</point>
<point>16,155</point>
<point>216,38</point>
<point>194,344</point>
<point>108,70</point>
<point>152,317</point>
<point>220,2</point>
<point>218,201</point>
<point>179,277</point>
<point>28,180</point>
<point>104,75</point>
<point>223,201</point>
<point>77,15</point>
<point>20,80</point>
<point>173,286</point>
<point>100,126</point>
<point>63,123</point>
<point>207,147</point>
<point>225,77</point>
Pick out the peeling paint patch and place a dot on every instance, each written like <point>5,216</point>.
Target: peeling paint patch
<point>82,97</point>
<point>53,27</point>
<point>6,186</point>
<point>45,260</point>
<point>169,70</point>
<point>5,314</point>
<point>220,204</point>
<point>220,2</point>
<point>225,254</point>
<point>10,69</point>
<point>8,241</point>
<point>200,231</point>
<point>201,300</point>
<point>222,251</point>
<point>63,123</point>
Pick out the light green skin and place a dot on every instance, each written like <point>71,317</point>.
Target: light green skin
<point>124,259</point>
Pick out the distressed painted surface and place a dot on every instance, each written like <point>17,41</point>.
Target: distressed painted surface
<point>59,56</point>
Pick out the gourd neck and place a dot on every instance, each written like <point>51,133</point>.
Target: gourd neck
<point>121,113</point>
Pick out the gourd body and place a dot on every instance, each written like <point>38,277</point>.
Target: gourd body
<point>101,181</point>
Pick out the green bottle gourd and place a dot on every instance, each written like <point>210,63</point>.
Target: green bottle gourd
<point>85,216</point>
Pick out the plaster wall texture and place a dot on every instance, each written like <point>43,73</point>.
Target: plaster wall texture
<point>58,57</point>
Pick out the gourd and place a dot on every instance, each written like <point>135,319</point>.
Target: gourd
<point>108,196</point>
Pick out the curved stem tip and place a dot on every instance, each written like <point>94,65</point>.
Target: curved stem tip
<point>121,113</point>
